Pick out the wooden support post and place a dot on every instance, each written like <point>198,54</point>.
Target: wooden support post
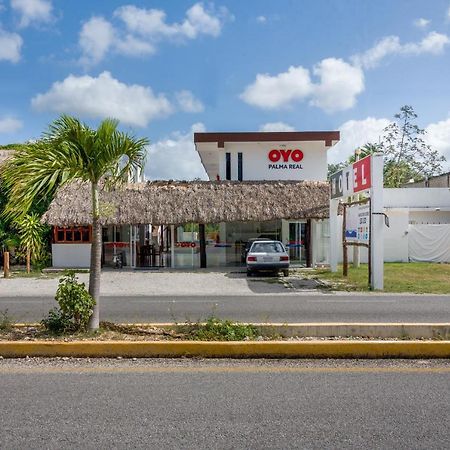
<point>202,235</point>
<point>28,260</point>
<point>6,264</point>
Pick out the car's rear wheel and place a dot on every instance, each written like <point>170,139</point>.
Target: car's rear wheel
<point>286,272</point>
<point>249,273</point>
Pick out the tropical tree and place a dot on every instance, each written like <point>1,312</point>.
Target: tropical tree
<point>31,234</point>
<point>406,154</point>
<point>70,150</point>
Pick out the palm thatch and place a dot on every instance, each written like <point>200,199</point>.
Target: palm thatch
<point>179,202</point>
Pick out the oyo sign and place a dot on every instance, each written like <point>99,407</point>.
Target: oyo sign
<point>285,158</point>
<point>352,179</point>
<point>282,155</point>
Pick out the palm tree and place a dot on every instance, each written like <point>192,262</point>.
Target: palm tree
<point>31,232</point>
<point>70,150</point>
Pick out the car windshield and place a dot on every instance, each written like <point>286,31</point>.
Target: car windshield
<point>267,247</point>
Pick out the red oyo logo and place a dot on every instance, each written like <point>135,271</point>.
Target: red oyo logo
<point>283,155</point>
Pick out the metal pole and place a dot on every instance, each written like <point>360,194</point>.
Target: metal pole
<point>344,244</point>
<point>172,246</point>
<point>201,231</point>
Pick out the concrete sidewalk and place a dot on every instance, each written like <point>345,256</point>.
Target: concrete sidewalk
<point>165,282</point>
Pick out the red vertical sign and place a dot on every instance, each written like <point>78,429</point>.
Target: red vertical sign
<point>362,179</point>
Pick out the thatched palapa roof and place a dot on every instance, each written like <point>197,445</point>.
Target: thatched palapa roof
<point>178,202</point>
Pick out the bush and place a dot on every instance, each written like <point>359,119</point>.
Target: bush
<point>56,322</point>
<point>75,306</point>
<point>223,330</point>
<point>6,322</point>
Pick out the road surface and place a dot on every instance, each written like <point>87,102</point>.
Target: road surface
<point>251,308</point>
<point>195,404</point>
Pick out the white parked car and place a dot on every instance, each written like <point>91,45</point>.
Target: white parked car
<point>267,256</point>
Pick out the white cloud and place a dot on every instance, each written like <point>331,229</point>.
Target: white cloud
<point>139,30</point>
<point>175,157</point>
<point>340,84</point>
<point>276,126</point>
<point>10,125</point>
<point>10,46</point>
<point>261,19</point>
<point>134,46</point>
<point>270,92</point>
<point>104,96</point>
<point>438,137</point>
<point>372,57</point>
<point>96,38</point>
<point>37,11</point>
<point>421,22</point>
<point>433,43</point>
<point>152,22</point>
<point>354,134</point>
<point>188,103</point>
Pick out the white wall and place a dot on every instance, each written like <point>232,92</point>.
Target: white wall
<point>256,161</point>
<point>417,198</point>
<point>71,255</point>
<point>395,239</point>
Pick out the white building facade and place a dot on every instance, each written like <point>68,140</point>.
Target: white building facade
<point>269,156</point>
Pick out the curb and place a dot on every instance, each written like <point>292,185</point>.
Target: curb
<point>267,349</point>
<point>439,331</point>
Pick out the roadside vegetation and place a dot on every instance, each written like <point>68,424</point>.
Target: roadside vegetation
<point>417,278</point>
<point>70,151</point>
<point>75,307</point>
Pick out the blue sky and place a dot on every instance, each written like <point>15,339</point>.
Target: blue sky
<point>168,68</point>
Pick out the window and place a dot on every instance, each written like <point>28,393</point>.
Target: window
<point>269,247</point>
<point>228,166</point>
<point>240,166</point>
<point>72,235</point>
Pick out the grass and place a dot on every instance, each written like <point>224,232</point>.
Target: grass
<point>419,278</point>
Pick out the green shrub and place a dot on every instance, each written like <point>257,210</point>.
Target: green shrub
<point>75,306</point>
<point>6,322</point>
<point>223,330</point>
<point>56,322</point>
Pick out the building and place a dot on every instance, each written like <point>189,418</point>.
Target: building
<point>438,181</point>
<point>266,184</point>
<point>261,185</point>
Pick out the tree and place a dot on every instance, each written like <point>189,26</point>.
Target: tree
<point>70,150</point>
<point>31,233</point>
<point>406,155</point>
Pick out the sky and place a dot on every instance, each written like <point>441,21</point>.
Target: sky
<point>167,69</point>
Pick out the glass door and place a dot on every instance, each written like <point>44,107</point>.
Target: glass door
<point>297,242</point>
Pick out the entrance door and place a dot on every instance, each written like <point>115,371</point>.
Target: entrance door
<point>297,242</point>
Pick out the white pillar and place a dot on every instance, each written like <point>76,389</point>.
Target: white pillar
<point>377,223</point>
<point>172,246</point>
<point>334,235</point>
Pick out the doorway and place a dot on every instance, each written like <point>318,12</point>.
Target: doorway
<point>297,242</point>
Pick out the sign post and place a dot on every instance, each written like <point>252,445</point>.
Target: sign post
<point>364,225</point>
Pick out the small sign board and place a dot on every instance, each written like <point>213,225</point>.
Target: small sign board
<point>358,224</point>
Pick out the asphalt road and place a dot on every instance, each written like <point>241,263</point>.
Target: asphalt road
<point>224,404</point>
<point>252,308</point>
